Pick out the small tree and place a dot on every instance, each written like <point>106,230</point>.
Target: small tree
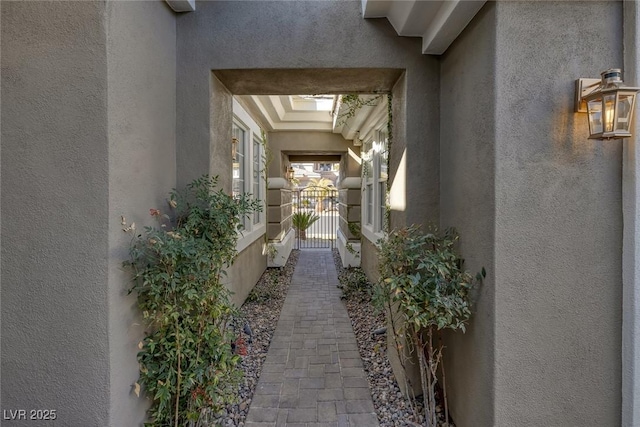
<point>301,221</point>
<point>321,188</point>
<point>421,277</point>
<point>187,366</point>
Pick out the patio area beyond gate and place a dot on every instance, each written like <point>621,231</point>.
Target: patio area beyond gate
<point>320,203</point>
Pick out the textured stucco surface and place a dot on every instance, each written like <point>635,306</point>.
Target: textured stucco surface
<point>219,134</point>
<point>369,260</point>
<point>284,80</point>
<point>558,220</point>
<point>467,166</point>
<point>55,220</point>
<point>398,175</point>
<point>246,270</point>
<point>141,68</point>
<point>204,115</point>
<point>631,234</point>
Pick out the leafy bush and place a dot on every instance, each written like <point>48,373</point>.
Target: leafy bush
<point>422,281</point>
<point>187,366</point>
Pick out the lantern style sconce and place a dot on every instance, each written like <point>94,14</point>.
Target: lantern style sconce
<point>608,103</point>
<point>290,173</point>
<point>234,148</point>
<point>357,142</point>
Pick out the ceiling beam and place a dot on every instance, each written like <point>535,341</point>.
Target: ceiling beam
<point>452,17</point>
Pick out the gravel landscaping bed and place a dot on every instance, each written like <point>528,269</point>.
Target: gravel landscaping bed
<point>392,408</point>
<point>261,312</point>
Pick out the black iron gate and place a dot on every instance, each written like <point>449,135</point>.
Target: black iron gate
<point>315,217</point>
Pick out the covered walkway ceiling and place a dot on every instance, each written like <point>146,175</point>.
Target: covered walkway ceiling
<point>269,94</point>
<point>292,112</point>
<point>324,113</point>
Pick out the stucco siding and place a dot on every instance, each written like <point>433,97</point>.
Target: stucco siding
<point>422,150</point>
<point>369,260</point>
<point>398,174</point>
<point>246,270</point>
<point>467,167</point>
<point>558,220</point>
<point>141,65</point>
<point>55,212</point>
<point>631,233</point>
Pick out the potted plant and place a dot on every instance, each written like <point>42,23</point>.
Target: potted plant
<point>303,220</point>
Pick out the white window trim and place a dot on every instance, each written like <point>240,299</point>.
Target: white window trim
<point>252,232</point>
<point>370,231</point>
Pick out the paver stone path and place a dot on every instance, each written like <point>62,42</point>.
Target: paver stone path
<point>313,374</point>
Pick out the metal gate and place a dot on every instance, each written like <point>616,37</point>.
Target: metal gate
<point>315,217</point>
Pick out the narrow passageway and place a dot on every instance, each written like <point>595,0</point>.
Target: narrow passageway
<point>313,373</point>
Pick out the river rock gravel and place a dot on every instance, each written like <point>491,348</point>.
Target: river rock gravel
<point>260,312</point>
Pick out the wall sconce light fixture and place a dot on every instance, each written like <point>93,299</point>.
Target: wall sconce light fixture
<point>357,142</point>
<point>608,103</point>
<point>290,173</point>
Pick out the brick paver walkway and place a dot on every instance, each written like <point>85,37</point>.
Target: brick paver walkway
<point>313,373</point>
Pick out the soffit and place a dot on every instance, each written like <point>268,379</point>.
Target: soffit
<point>267,81</point>
<point>438,22</point>
<point>291,112</point>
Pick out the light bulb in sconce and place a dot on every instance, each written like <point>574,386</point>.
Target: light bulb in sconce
<point>609,105</point>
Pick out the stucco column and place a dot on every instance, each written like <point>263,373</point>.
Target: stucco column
<point>631,233</point>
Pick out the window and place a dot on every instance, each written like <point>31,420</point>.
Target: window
<point>375,175</point>
<point>367,171</point>
<point>248,166</point>
<point>257,181</point>
<point>239,167</point>
<point>238,163</point>
<point>381,175</point>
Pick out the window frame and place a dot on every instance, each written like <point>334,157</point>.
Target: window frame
<point>374,185</point>
<point>255,224</point>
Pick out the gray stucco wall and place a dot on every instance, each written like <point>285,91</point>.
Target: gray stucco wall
<point>141,65</point>
<point>55,212</point>
<point>467,167</point>
<point>369,260</point>
<point>398,175</point>
<point>631,232</point>
<point>558,227</point>
<point>246,270</point>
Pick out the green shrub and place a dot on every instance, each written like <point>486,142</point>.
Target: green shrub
<point>424,288</point>
<point>187,366</point>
